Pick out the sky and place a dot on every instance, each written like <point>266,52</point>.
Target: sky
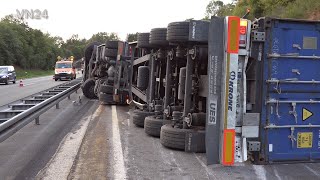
<point>85,18</point>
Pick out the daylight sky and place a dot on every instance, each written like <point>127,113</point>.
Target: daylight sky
<point>67,17</point>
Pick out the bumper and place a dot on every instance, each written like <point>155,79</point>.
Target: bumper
<point>3,80</point>
<point>63,76</point>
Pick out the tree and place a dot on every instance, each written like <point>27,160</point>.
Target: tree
<point>218,8</point>
<point>131,37</point>
<point>103,37</point>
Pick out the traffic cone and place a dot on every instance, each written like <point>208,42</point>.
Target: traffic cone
<point>21,83</point>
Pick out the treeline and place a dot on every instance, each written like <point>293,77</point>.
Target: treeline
<point>300,9</point>
<point>30,48</point>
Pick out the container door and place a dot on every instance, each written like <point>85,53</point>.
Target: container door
<point>291,112</point>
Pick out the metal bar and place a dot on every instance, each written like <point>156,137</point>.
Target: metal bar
<point>138,93</point>
<point>292,82</point>
<point>301,102</point>
<point>292,56</point>
<point>152,80</point>
<point>291,126</point>
<point>188,86</point>
<point>142,59</point>
<point>167,91</point>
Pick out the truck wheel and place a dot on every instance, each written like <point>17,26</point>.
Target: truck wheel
<point>14,81</point>
<point>56,79</point>
<point>106,89</point>
<point>88,89</point>
<point>112,44</point>
<point>178,31</point>
<point>105,98</point>
<point>138,117</point>
<point>175,138</point>
<point>88,51</point>
<point>158,37</point>
<point>111,53</point>
<point>152,125</point>
<point>143,40</point>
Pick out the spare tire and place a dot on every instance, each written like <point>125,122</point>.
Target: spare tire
<point>138,117</point>
<point>143,77</point>
<point>175,138</point>
<point>111,52</point>
<point>88,89</point>
<point>178,32</point>
<point>158,37</point>
<point>152,125</point>
<point>143,40</point>
<point>112,44</point>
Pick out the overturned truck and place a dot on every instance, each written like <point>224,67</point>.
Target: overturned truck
<point>235,89</point>
<point>106,74</point>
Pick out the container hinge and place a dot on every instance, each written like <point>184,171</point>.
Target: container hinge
<point>294,112</point>
<point>258,36</point>
<point>292,138</point>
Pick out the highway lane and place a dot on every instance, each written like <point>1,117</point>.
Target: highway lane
<point>13,92</point>
<point>25,153</point>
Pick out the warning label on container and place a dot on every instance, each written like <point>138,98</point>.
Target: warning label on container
<point>306,114</point>
<point>304,140</point>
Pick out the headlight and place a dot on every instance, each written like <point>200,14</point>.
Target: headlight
<point>69,72</point>
<point>56,72</point>
<point>4,76</point>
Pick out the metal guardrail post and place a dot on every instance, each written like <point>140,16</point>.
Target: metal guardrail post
<point>37,121</point>
<point>57,106</point>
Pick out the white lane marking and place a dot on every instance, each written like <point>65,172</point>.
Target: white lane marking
<point>260,172</point>
<point>118,168</point>
<point>312,170</point>
<point>205,167</point>
<point>276,173</point>
<point>61,163</point>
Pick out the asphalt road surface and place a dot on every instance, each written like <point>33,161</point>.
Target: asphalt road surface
<point>92,141</point>
<point>13,92</point>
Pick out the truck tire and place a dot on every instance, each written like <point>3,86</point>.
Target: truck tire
<point>88,89</point>
<point>152,125</point>
<point>112,44</point>
<point>158,37</point>
<point>88,51</point>
<point>106,89</point>
<point>143,77</point>
<point>106,98</point>
<point>111,52</point>
<point>178,32</point>
<point>138,117</point>
<point>143,40</point>
<point>175,138</point>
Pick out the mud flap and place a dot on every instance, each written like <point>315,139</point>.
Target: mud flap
<point>194,142</point>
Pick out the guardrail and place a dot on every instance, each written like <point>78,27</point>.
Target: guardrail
<point>18,115</point>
